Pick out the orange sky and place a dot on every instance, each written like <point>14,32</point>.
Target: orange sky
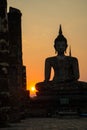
<point>40,24</point>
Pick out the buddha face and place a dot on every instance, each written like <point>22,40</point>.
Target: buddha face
<point>60,47</point>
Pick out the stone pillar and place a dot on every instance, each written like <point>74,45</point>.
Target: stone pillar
<point>4,64</point>
<point>15,41</point>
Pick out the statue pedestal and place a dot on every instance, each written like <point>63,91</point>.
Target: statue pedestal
<point>64,100</point>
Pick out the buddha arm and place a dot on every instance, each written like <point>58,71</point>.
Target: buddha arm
<point>76,69</point>
<point>47,70</point>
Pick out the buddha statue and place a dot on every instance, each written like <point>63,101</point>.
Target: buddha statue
<point>66,68</point>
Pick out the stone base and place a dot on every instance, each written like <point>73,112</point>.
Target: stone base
<point>63,101</point>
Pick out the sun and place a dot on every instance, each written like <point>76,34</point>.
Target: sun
<point>33,91</point>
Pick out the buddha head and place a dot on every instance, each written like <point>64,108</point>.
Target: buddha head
<point>60,43</point>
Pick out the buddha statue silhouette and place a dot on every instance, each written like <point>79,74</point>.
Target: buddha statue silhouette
<point>66,68</point>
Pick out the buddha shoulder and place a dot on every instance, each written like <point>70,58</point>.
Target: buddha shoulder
<point>50,59</point>
<point>71,58</point>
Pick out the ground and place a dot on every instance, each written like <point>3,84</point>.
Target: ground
<point>49,124</point>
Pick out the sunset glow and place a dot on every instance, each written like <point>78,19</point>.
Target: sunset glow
<point>40,24</point>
